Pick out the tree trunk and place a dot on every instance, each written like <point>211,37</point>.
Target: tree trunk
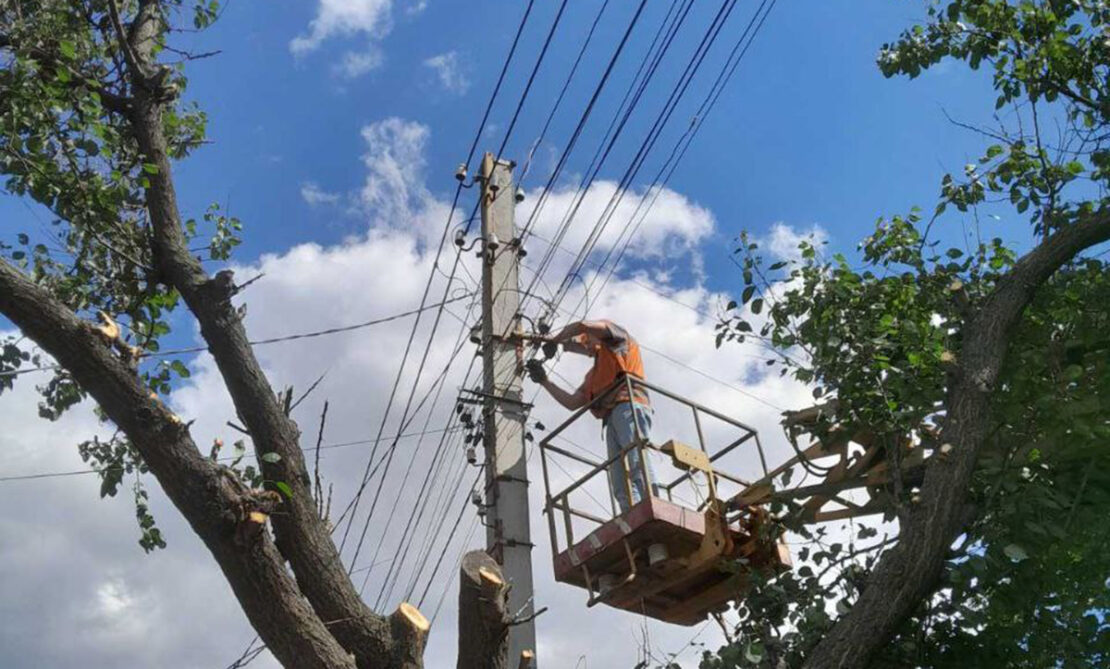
<point>909,572</point>
<point>302,537</point>
<point>483,618</point>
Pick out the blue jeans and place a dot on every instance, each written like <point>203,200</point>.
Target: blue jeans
<point>620,431</point>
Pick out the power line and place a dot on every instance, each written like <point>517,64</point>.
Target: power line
<point>404,416</point>
<point>532,77</point>
<point>562,92</point>
<point>458,256</point>
<point>79,472</point>
<point>427,350</point>
<point>649,141</point>
<point>621,115</point>
<point>417,513</point>
<point>427,288</point>
<point>727,71</point>
<point>500,80</point>
<point>583,118</point>
<point>371,468</point>
<point>271,340</point>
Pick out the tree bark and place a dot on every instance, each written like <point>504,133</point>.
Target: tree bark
<point>212,500</point>
<point>302,536</point>
<point>909,572</point>
<point>483,618</point>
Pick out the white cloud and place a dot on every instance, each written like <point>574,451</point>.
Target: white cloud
<point>344,18</point>
<point>357,63</point>
<point>369,19</point>
<point>449,71</point>
<point>314,195</point>
<point>667,232</point>
<point>394,191</point>
<point>783,239</point>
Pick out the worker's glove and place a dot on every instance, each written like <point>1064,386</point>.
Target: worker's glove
<point>536,372</point>
<point>550,349</point>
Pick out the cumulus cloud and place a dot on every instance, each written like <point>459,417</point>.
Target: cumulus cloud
<point>449,71</point>
<point>344,18</point>
<point>370,19</point>
<point>83,554</point>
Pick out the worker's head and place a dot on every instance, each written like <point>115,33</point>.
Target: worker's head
<point>585,344</point>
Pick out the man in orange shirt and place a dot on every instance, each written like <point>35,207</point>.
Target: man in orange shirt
<point>616,355</point>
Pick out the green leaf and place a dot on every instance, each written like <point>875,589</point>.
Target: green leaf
<point>757,305</point>
<point>68,49</point>
<point>746,296</point>
<point>270,457</point>
<point>284,488</point>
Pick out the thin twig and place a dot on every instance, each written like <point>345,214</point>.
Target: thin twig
<point>306,393</point>
<point>318,489</point>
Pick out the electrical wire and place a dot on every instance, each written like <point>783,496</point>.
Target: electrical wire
<point>562,92</point>
<point>623,112</point>
<point>532,78</point>
<point>427,349</point>
<point>427,288</point>
<point>671,164</point>
<point>373,468</point>
<point>271,340</point>
<point>79,472</point>
<point>417,509</point>
<point>668,109</point>
<point>584,117</point>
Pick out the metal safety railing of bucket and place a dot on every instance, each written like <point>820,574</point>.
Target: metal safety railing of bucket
<point>568,500</point>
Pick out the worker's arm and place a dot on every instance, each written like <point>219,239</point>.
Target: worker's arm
<point>571,401</point>
<point>574,337</point>
<point>599,329</point>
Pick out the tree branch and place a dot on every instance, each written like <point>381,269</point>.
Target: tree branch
<point>217,509</point>
<point>302,536</point>
<point>909,571</point>
<point>111,101</point>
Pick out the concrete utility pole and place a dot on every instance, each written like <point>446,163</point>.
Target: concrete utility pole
<point>508,536</point>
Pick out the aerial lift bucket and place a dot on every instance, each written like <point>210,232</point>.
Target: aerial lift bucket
<point>666,559</point>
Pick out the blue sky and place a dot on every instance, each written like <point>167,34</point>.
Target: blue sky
<point>808,132</point>
<point>336,126</point>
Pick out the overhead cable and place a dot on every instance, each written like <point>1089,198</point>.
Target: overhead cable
<point>270,340</point>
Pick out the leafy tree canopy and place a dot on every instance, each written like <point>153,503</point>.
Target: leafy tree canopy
<point>1027,584</point>
<point>65,145</point>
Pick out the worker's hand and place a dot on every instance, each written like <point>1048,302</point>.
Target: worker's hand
<point>550,349</point>
<point>536,372</point>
